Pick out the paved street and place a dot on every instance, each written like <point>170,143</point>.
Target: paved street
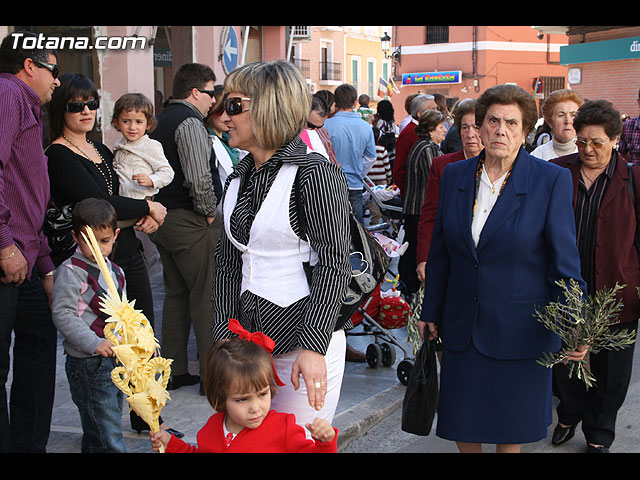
<point>368,414</point>
<point>387,436</point>
<point>187,411</point>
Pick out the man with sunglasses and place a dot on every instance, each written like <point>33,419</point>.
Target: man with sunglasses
<point>187,239</point>
<point>28,78</point>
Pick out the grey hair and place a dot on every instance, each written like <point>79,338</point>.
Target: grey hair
<point>418,103</point>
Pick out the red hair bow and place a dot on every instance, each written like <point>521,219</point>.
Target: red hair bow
<point>258,338</point>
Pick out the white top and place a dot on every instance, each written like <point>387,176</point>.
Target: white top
<point>553,149</point>
<point>312,140</point>
<point>272,259</point>
<point>145,155</point>
<point>223,162</point>
<point>488,194</point>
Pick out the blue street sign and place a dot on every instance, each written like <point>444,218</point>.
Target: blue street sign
<point>230,49</point>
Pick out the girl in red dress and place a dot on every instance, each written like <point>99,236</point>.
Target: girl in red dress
<point>239,383</point>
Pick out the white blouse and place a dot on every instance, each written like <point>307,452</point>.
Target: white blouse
<point>488,194</point>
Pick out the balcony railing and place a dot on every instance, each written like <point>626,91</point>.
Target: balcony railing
<point>330,71</point>
<point>303,65</point>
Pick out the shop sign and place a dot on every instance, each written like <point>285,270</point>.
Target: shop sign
<point>618,49</point>
<point>432,78</point>
<point>162,57</point>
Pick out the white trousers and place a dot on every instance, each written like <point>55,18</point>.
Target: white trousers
<point>288,400</point>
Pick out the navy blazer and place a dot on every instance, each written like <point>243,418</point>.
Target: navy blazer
<point>488,294</point>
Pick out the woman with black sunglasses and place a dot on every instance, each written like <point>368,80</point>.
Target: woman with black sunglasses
<point>81,167</point>
<point>259,277</point>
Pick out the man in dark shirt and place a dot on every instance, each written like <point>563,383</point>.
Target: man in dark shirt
<point>27,80</point>
<point>187,239</point>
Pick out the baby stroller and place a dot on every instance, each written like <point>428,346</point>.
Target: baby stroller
<point>389,203</point>
<point>384,311</point>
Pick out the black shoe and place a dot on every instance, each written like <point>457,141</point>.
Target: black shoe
<point>177,381</point>
<point>562,434</point>
<point>594,449</point>
<point>137,423</point>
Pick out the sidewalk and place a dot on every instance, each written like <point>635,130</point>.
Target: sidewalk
<point>368,413</point>
<point>367,396</point>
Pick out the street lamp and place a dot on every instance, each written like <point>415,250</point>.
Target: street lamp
<point>394,54</point>
<point>386,43</point>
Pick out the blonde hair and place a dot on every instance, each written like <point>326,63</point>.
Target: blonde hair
<point>558,96</point>
<point>280,100</point>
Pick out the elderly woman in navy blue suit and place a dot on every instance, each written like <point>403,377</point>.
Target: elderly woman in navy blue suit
<point>504,234</point>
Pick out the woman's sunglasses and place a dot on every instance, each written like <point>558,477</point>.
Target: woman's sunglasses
<point>77,107</point>
<point>595,144</point>
<point>233,105</point>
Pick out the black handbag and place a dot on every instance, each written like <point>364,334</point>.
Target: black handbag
<point>57,228</point>
<point>421,397</point>
<point>368,261</point>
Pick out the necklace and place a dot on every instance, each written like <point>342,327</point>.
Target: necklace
<point>584,174</point>
<point>479,171</point>
<point>108,178</point>
<point>500,175</point>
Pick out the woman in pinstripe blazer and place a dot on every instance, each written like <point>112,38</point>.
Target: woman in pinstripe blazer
<point>259,278</point>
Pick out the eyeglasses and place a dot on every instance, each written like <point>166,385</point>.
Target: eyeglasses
<point>312,126</point>
<point>211,93</point>
<point>595,144</point>
<point>233,105</point>
<point>52,67</point>
<point>77,107</point>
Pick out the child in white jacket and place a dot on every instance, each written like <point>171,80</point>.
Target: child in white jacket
<point>139,161</point>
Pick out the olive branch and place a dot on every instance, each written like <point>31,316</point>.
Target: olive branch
<point>581,320</point>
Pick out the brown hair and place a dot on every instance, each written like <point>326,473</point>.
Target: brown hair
<point>236,364</point>
<point>428,122</point>
<point>137,102</point>
<point>190,76</point>
<point>96,213</point>
<point>462,108</point>
<point>346,95</point>
<point>599,112</point>
<point>558,96</point>
<point>508,94</point>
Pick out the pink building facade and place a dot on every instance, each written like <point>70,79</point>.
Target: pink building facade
<point>144,58</point>
<point>463,61</point>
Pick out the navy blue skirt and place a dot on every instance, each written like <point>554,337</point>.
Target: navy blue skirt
<point>485,400</point>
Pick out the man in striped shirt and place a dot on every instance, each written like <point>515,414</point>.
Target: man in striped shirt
<point>28,78</point>
<point>629,145</point>
<point>187,239</point>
